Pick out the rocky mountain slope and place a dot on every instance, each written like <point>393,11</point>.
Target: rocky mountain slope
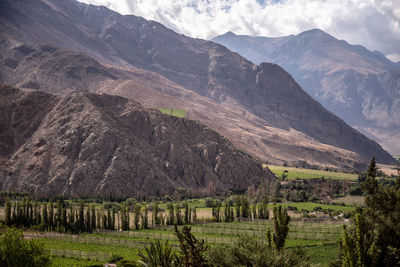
<point>358,85</point>
<point>264,96</point>
<point>87,144</point>
<point>59,71</point>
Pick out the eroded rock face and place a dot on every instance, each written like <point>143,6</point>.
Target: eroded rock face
<point>88,144</point>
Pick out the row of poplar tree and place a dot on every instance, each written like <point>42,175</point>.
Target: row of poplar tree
<point>67,217</point>
<point>239,208</point>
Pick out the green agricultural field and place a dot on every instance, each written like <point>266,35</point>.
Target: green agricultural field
<point>173,112</point>
<point>311,205</point>
<point>319,240</point>
<point>301,173</point>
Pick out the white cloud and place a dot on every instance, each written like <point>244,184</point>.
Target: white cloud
<point>371,23</point>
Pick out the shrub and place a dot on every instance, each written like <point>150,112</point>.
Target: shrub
<point>248,251</point>
<point>355,190</point>
<point>317,208</point>
<point>158,254</point>
<point>18,252</point>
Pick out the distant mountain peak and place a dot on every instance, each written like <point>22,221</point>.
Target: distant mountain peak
<point>316,33</point>
<point>227,34</point>
<point>345,78</point>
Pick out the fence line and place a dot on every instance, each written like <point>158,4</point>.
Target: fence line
<point>77,254</point>
<point>211,233</point>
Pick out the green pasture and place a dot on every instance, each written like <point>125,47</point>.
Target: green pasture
<point>173,112</point>
<point>309,206</point>
<point>301,173</point>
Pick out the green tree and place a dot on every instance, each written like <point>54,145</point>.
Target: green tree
<point>238,203</point>
<point>45,217</point>
<point>93,220</point>
<point>137,210</point>
<point>88,224</point>
<point>187,216</point>
<point>254,210</point>
<point>281,226</point>
<point>109,220</point>
<point>8,212</point>
<point>51,215</point>
<point>375,238</point>
<point>15,251</point>
<point>178,215</point>
<point>171,214</point>
<point>155,217</point>
<point>191,249</point>
<point>358,248</point>
<point>81,217</point>
<point>145,218</point>
<point>245,207</point>
<point>370,186</point>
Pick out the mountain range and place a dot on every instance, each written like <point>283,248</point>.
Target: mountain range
<point>80,55</point>
<point>359,86</point>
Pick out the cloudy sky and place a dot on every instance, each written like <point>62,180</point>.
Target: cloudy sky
<point>374,24</point>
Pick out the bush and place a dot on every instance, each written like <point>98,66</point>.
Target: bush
<point>18,252</point>
<point>248,251</point>
<point>314,198</point>
<point>158,254</point>
<point>355,190</point>
<point>317,208</point>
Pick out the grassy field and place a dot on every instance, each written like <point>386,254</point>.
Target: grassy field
<point>319,240</point>
<point>173,112</point>
<point>309,206</point>
<point>301,173</point>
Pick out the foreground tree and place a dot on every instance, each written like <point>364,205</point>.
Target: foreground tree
<point>18,252</point>
<point>191,249</point>
<point>281,226</point>
<point>375,238</point>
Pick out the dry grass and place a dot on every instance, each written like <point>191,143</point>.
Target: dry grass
<point>350,200</point>
<point>387,169</point>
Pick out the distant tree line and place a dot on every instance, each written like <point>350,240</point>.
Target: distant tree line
<point>68,217</point>
<point>57,216</point>
<point>239,208</point>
